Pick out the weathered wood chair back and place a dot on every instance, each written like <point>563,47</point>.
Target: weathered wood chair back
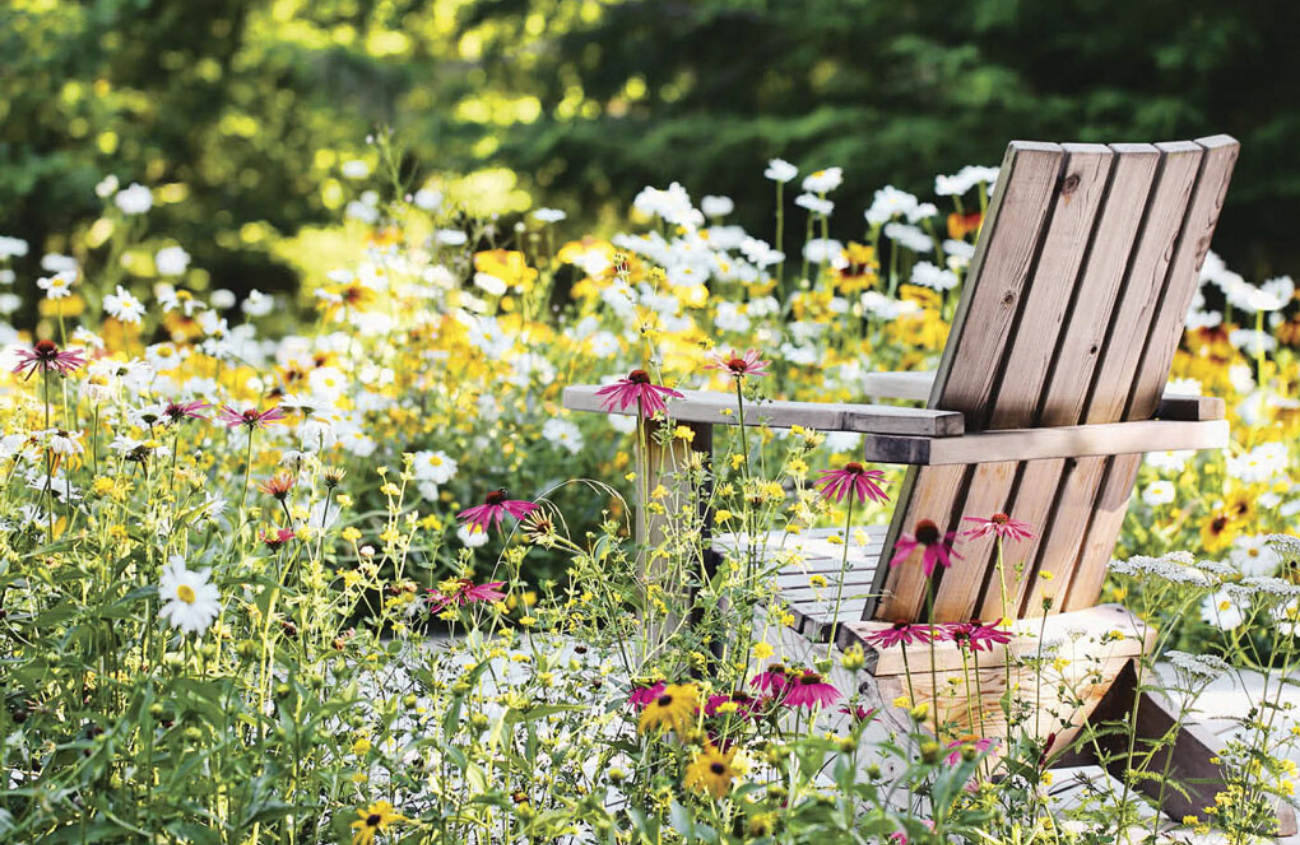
<point>1073,308</point>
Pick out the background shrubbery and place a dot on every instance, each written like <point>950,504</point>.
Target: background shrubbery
<point>245,109</point>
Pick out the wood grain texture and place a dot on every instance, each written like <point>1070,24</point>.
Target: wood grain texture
<point>1074,441</point>
<point>1193,243</point>
<point>928,493</point>
<point>1051,290</point>
<point>1143,283</point>
<point>915,386</point>
<point>997,280</point>
<point>959,587</point>
<point>1108,514</point>
<point>1115,232</point>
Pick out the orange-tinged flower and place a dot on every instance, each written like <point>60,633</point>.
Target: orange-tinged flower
<point>961,225</point>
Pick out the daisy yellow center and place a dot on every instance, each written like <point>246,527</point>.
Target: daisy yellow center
<point>186,594</point>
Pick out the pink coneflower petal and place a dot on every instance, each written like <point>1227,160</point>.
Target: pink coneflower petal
<point>636,390</point>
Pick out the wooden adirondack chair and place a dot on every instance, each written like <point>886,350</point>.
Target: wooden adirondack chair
<point>1049,391</point>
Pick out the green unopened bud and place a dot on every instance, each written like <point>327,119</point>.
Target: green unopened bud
<point>930,751</point>
<point>854,659</point>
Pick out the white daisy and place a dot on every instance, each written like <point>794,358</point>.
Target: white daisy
<point>123,306</point>
<point>191,603</point>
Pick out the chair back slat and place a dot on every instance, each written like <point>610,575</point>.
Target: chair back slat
<point>1073,308</point>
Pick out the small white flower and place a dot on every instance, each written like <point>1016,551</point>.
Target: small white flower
<point>549,215</point>
<point>107,187</point>
<point>1224,610</point>
<point>823,181</point>
<point>715,206</point>
<point>12,247</point>
<point>355,169</point>
<point>57,286</point>
<point>928,275</point>
<point>780,170</point>
<point>190,602</point>
<point>815,204</point>
<point>135,199</point>
<point>123,306</point>
<point>1254,556</point>
<point>472,536</point>
<point>450,237</point>
<point>1159,492</point>
<point>437,467</point>
<point>172,261</point>
<point>428,198</point>
<point>563,433</point>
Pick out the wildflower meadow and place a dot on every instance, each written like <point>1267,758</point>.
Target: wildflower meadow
<point>337,565</point>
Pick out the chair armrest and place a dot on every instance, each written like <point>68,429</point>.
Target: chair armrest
<point>915,386</point>
<point>1029,444</point>
<point>700,406</point>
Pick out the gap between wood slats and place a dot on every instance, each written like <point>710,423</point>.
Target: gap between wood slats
<point>1057,475</point>
<point>1086,491</point>
<point>939,488</point>
<point>1080,211</point>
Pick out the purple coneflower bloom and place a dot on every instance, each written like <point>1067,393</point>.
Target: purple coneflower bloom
<point>749,364</point>
<point>179,411</point>
<point>902,632</point>
<point>468,593</point>
<point>641,696</point>
<point>937,545</point>
<point>45,356</point>
<point>977,635</point>
<point>745,703</point>
<point>773,680</point>
<point>859,713</point>
<point>1000,525</point>
<point>252,418</point>
<point>636,390</point>
<point>809,690</point>
<point>494,510</point>
<point>853,479</point>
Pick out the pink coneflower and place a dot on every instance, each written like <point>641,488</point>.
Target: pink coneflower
<point>745,703</point>
<point>494,509</point>
<point>466,593</point>
<point>902,632</point>
<point>636,390</point>
<point>278,485</point>
<point>178,412</point>
<point>980,746</point>
<point>274,539</point>
<point>859,713</point>
<point>749,364</point>
<point>809,690</point>
<point>45,356</point>
<point>853,479</point>
<point>937,544</point>
<point>641,696</point>
<point>984,636</point>
<point>999,525</point>
<point>773,680</point>
<point>251,418</point>
<point>978,635</point>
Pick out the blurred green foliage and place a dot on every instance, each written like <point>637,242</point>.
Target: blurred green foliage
<point>242,111</point>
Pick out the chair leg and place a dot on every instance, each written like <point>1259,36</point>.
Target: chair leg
<point>1194,751</point>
